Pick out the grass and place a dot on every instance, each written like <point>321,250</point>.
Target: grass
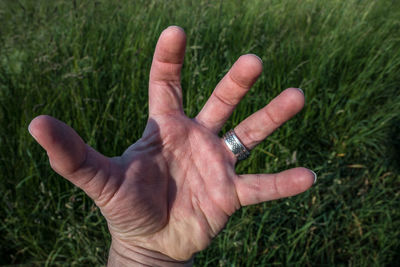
<point>87,63</point>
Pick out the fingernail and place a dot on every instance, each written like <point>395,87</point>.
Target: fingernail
<point>29,129</point>
<point>258,57</point>
<point>176,27</point>
<point>315,176</point>
<point>300,90</point>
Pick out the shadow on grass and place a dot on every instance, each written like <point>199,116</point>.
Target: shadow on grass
<point>393,144</point>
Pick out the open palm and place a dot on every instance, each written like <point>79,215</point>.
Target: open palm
<point>174,189</point>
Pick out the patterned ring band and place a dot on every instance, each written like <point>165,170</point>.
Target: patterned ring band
<point>234,144</point>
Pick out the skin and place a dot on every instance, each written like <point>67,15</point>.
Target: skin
<point>172,191</point>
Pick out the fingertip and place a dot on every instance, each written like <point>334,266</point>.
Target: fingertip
<point>305,178</point>
<point>246,70</point>
<point>251,62</point>
<point>38,126</point>
<point>173,33</point>
<point>254,57</point>
<point>171,45</point>
<point>294,98</point>
<point>175,28</point>
<point>53,134</point>
<point>298,92</point>
<point>65,148</point>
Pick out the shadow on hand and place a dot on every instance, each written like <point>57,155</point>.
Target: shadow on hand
<point>147,152</point>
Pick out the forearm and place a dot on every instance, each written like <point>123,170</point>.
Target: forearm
<point>121,256</point>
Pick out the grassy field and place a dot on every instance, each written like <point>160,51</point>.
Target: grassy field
<point>87,63</point>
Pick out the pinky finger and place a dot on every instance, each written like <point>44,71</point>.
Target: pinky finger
<point>257,188</point>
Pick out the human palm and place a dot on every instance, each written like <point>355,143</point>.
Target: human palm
<point>174,189</point>
<point>178,190</point>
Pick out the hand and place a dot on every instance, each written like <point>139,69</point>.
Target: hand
<point>173,190</point>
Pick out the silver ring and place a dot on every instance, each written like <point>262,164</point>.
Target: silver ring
<point>234,144</point>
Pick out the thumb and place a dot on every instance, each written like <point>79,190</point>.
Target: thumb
<point>69,156</point>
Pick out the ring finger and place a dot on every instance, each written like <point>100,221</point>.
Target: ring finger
<point>229,92</point>
<point>255,128</point>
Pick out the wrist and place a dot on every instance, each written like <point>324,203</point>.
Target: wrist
<point>121,255</point>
